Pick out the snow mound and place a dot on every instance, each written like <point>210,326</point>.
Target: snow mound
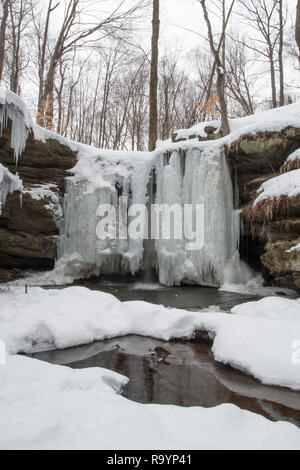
<point>287,184</point>
<point>53,407</point>
<point>8,184</point>
<point>257,338</point>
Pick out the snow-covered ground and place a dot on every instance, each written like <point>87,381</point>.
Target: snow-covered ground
<point>257,338</point>
<point>44,406</point>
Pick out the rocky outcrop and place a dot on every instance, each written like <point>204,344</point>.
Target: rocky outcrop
<point>28,224</point>
<point>272,228</point>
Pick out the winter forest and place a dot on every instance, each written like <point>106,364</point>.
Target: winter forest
<point>149,227</point>
<point>86,65</point>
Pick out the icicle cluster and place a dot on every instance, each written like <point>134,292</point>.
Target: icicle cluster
<point>13,108</point>
<point>8,184</point>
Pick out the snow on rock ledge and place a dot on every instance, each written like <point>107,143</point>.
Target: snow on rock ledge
<point>12,107</point>
<point>61,408</point>
<point>274,120</point>
<point>287,184</point>
<point>8,184</point>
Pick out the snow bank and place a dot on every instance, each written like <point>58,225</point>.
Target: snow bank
<point>53,407</point>
<point>257,338</point>
<point>287,184</point>
<point>8,184</point>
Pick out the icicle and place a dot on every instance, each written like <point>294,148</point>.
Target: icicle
<point>8,184</point>
<point>19,132</point>
<point>12,107</point>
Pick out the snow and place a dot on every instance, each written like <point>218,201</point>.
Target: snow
<point>49,191</point>
<point>46,406</point>
<point>273,120</point>
<point>257,337</point>
<point>13,108</point>
<point>8,184</point>
<point>255,286</point>
<point>294,248</point>
<point>287,184</point>
<point>294,156</point>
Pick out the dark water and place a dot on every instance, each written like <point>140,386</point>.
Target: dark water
<point>192,377</point>
<point>185,297</point>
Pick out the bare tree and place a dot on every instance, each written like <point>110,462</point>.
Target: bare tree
<point>153,117</point>
<point>220,84</point>
<point>73,32</point>
<point>263,16</point>
<point>20,13</point>
<point>239,83</point>
<point>297,28</point>
<point>281,25</point>
<point>3,25</point>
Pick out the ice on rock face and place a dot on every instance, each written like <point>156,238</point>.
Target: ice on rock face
<point>196,176</point>
<point>122,183</point>
<point>8,184</point>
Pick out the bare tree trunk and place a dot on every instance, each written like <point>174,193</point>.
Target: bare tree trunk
<point>2,35</point>
<point>153,118</point>
<point>225,129</point>
<point>273,81</point>
<point>94,109</point>
<point>222,41</point>
<point>280,54</point>
<point>42,65</point>
<point>297,28</point>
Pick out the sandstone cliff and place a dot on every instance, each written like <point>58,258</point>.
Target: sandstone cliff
<point>271,228</point>
<point>29,225</point>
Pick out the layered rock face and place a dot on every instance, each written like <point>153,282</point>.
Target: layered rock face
<point>271,228</point>
<point>29,223</point>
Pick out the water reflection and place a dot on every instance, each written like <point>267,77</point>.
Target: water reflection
<point>190,378</point>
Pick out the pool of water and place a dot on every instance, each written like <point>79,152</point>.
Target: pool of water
<point>190,378</point>
<point>184,297</point>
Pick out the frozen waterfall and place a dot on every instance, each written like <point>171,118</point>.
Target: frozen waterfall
<point>182,177</point>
